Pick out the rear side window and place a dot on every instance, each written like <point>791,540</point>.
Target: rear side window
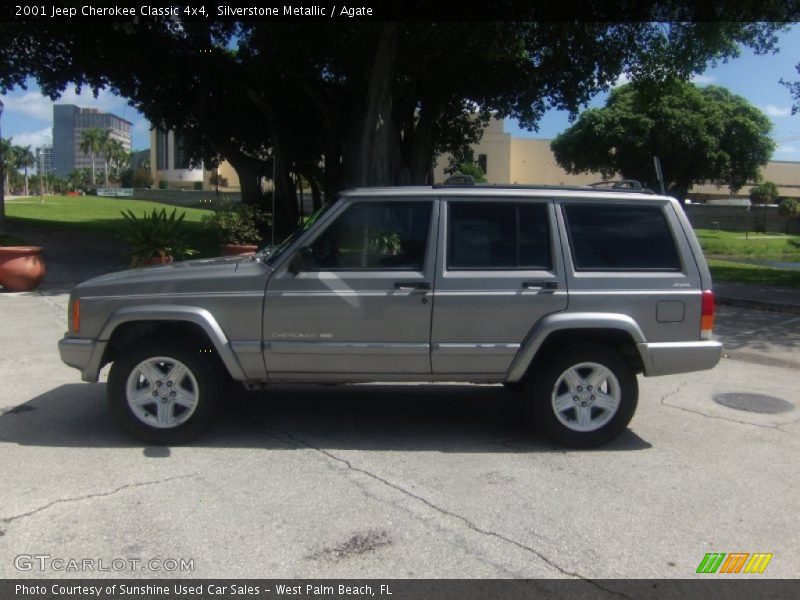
<point>498,235</point>
<point>607,237</point>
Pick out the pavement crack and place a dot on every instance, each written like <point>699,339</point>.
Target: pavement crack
<point>676,391</point>
<point>289,438</point>
<point>116,490</point>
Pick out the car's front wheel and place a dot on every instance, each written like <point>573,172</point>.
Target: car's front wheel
<point>163,392</point>
<point>584,396</point>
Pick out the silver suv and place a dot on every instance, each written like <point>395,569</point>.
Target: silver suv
<point>565,294</point>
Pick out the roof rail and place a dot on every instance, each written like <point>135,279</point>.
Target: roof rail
<point>623,185</point>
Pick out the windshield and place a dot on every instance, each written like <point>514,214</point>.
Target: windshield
<point>270,255</point>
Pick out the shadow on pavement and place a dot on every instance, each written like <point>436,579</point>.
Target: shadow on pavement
<point>411,418</point>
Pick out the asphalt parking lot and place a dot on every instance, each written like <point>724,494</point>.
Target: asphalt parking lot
<point>380,481</point>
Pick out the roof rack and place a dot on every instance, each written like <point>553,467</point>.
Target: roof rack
<point>625,185</point>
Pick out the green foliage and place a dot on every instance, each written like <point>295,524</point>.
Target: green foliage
<point>473,170</point>
<point>163,184</point>
<point>385,242</point>
<point>236,223</point>
<point>155,235</point>
<point>736,243</point>
<point>789,207</point>
<point>219,180</point>
<point>723,270</point>
<point>700,134</point>
<point>197,185</point>
<point>136,178</point>
<point>764,193</point>
<point>367,104</point>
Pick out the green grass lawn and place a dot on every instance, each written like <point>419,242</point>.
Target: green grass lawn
<point>757,245</point>
<point>101,216</point>
<point>725,270</point>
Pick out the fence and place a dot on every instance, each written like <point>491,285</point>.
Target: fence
<point>188,198</point>
<point>740,218</point>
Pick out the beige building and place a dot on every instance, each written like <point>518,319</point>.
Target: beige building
<point>506,159</point>
<point>170,164</point>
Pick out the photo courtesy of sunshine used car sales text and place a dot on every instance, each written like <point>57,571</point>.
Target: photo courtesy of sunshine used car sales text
<point>197,590</point>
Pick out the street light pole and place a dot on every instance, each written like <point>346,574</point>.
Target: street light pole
<point>2,182</point>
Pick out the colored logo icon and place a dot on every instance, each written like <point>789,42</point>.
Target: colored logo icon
<point>734,562</point>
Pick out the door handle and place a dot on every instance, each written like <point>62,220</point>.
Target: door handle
<point>412,285</point>
<point>547,285</point>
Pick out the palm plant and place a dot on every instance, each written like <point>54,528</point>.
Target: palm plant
<point>24,160</point>
<point>117,156</point>
<point>105,146</point>
<point>91,143</point>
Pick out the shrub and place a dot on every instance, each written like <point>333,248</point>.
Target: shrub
<point>197,185</point>
<point>236,223</point>
<point>163,185</point>
<point>155,234</point>
<point>789,207</point>
<point>764,193</point>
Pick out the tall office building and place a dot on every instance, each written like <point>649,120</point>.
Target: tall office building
<point>69,121</point>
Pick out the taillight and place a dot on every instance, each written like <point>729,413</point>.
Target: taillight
<point>75,316</point>
<point>707,315</point>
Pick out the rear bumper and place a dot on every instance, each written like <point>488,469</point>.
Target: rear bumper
<point>679,357</point>
<point>82,354</point>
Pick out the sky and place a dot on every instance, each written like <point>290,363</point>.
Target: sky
<point>28,116</point>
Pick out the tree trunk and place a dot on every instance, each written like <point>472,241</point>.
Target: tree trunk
<point>26,180</point>
<point>423,146</point>
<point>377,155</point>
<point>105,173</point>
<point>287,216</point>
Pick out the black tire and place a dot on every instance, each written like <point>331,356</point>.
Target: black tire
<point>199,383</point>
<point>514,386</point>
<point>602,424</point>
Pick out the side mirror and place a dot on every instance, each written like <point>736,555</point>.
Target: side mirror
<point>303,260</point>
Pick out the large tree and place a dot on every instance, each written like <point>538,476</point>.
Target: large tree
<point>700,134</point>
<point>344,103</point>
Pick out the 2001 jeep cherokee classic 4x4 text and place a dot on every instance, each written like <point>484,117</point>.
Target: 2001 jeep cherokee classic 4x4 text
<point>565,293</point>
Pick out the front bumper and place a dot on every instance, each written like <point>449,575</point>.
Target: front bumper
<point>679,357</point>
<point>82,354</point>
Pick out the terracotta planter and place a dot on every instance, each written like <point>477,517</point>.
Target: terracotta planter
<point>22,268</point>
<point>239,249</point>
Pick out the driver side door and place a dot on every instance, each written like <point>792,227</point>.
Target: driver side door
<point>359,299</point>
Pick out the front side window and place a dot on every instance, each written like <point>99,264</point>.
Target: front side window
<point>630,238</point>
<point>375,236</point>
<point>498,235</point>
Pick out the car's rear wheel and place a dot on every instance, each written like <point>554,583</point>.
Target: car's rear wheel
<point>584,396</point>
<point>163,392</point>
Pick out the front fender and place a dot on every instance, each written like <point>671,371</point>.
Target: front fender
<point>192,314</point>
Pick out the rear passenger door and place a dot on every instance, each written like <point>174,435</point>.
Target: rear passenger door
<point>498,272</point>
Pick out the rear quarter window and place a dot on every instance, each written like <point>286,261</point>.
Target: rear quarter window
<point>610,237</point>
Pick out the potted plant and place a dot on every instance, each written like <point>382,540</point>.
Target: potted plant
<point>156,238</point>
<point>237,227</point>
<point>22,268</point>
